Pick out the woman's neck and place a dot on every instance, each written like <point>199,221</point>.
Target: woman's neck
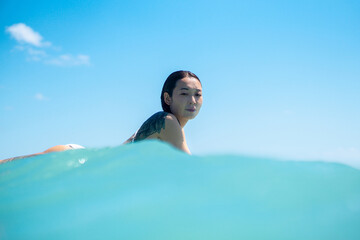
<point>182,121</point>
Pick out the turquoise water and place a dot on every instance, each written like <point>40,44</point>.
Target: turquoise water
<point>148,190</point>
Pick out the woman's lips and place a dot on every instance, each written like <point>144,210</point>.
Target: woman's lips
<point>191,109</point>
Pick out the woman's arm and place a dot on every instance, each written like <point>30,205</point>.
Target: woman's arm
<point>163,126</point>
<point>174,134</point>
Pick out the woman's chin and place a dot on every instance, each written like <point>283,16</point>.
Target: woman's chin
<point>191,115</point>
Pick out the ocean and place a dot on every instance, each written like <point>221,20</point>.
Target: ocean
<point>149,190</point>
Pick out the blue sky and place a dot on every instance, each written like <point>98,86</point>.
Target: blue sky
<point>280,78</point>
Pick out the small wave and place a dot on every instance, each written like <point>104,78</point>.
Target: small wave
<point>151,190</point>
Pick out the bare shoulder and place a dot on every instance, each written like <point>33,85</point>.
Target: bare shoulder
<point>174,134</point>
<point>163,126</point>
<point>152,127</point>
<point>171,123</point>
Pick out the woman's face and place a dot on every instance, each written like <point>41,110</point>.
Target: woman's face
<point>186,99</point>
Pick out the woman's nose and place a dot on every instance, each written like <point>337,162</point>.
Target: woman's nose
<point>192,99</point>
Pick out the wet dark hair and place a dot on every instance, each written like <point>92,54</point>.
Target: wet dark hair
<point>170,84</point>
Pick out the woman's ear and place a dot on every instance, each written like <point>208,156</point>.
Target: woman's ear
<point>167,98</point>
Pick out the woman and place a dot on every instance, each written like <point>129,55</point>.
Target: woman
<point>181,100</point>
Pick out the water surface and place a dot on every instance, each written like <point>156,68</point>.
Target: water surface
<point>149,190</point>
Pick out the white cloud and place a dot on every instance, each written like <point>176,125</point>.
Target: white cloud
<point>31,42</point>
<point>40,97</point>
<point>35,52</point>
<point>25,34</point>
<point>35,55</point>
<point>20,48</point>
<point>69,60</point>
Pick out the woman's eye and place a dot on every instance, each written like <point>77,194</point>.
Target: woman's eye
<point>198,95</point>
<point>184,94</point>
